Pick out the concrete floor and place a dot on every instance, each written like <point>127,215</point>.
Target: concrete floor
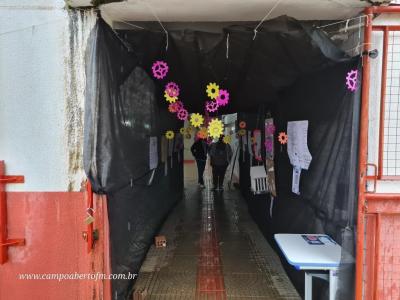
<point>214,251</point>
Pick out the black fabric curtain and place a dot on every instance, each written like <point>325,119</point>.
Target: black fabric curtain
<point>328,188</point>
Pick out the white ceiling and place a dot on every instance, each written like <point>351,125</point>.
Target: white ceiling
<point>226,10</point>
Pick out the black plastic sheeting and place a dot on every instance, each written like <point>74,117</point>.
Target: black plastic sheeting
<point>289,68</point>
<point>121,114</point>
<point>327,203</point>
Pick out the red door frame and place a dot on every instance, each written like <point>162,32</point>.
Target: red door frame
<point>363,148</point>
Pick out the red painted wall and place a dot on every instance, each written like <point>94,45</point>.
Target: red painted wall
<point>52,224</point>
<point>382,251</point>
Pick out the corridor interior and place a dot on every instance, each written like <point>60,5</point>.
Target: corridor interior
<point>214,251</point>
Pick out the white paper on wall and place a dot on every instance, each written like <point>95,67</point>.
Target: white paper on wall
<point>299,155</point>
<point>298,152</point>
<point>296,180</point>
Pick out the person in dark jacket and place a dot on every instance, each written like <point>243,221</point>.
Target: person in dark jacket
<point>220,154</point>
<point>199,150</point>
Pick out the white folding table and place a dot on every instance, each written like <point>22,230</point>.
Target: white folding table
<point>317,254</point>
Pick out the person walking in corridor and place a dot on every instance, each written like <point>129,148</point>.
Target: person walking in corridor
<point>199,150</point>
<point>220,154</point>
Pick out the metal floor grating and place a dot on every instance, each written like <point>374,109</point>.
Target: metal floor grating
<point>245,262</point>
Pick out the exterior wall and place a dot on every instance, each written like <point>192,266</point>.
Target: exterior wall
<point>41,92</point>
<point>41,124</point>
<point>52,225</point>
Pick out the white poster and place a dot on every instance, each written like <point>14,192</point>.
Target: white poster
<point>298,152</point>
<point>153,153</point>
<point>299,155</point>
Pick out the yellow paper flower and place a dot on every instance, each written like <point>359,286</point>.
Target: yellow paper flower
<point>212,90</point>
<point>227,139</point>
<point>170,99</point>
<point>215,128</point>
<point>196,120</point>
<point>169,134</point>
<point>182,130</point>
<point>242,132</point>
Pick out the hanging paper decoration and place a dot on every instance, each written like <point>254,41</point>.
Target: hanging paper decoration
<point>215,128</point>
<point>351,80</point>
<point>252,140</point>
<point>242,132</point>
<point>269,158</point>
<point>211,106</point>
<point>182,114</point>
<point>169,99</point>
<point>282,138</point>
<point>189,129</point>
<point>182,130</point>
<point>160,69</point>
<point>269,145</point>
<point>223,98</point>
<point>169,134</point>
<point>196,120</point>
<point>172,89</point>
<point>242,124</point>
<point>257,144</point>
<point>202,134</point>
<point>270,128</point>
<point>227,139</point>
<point>188,136</point>
<point>212,90</point>
<point>173,107</point>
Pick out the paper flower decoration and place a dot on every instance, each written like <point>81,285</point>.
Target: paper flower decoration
<point>242,124</point>
<point>282,138</point>
<point>189,129</point>
<point>242,132</point>
<point>227,139</point>
<point>269,145</point>
<point>223,98</point>
<point>188,136</point>
<point>215,128</point>
<point>169,134</point>
<point>170,99</point>
<point>202,134</point>
<point>351,80</point>
<point>172,89</point>
<point>211,106</point>
<point>212,90</point>
<point>196,120</point>
<point>182,130</point>
<point>179,105</point>
<point>182,114</point>
<point>270,129</point>
<point>160,69</point>
<point>173,107</point>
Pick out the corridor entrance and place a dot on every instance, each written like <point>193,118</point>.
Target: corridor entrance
<point>214,251</point>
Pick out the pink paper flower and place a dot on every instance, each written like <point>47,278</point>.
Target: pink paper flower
<point>182,114</point>
<point>223,97</point>
<point>160,69</point>
<point>351,80</point>
<point>211,106</point>
<point>172,89</point>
